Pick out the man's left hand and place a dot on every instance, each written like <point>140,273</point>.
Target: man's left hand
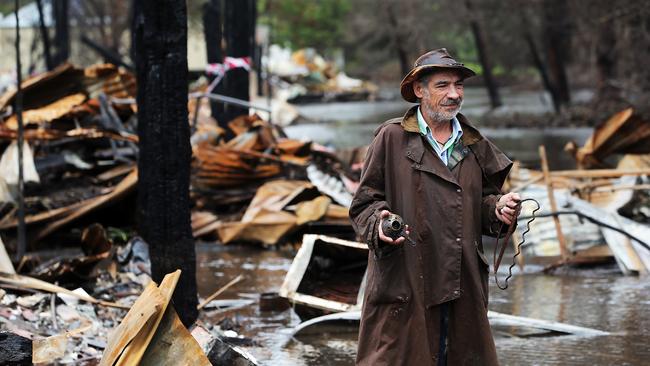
<point>507,207</point>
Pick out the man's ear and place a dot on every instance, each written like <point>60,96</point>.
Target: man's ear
<point>417,89</point>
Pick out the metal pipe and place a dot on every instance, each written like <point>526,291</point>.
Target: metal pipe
<point>217,97</point>
<point>230,100</point>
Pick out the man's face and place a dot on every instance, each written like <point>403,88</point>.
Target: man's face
<point>441,96</point>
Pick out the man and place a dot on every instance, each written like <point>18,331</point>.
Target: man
<point>426,304</point>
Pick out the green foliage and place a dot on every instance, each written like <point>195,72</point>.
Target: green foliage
<point>298,23</point>
<point>7,6</point>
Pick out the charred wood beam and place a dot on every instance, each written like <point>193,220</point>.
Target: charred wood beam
<point>14,349</point>
<point>62,31</point>
<point>160,37</point>
<point>212,12</point>
<point>107,54</point>
<point>238,36</point>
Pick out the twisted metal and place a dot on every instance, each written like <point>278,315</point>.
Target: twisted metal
<point>506,240</point>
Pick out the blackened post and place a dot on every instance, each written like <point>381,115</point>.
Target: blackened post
<point>62,31</point>
<point>160,37</point>
<point>238,35</point>
<point>213,36</point>
<point>45,36</point>
<point>557,35</point>
<point>20,249</point>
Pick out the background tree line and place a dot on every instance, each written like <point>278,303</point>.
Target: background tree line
<point>558,44</point>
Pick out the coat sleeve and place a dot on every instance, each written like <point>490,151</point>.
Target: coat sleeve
<point>370,198</point>
<point>491,224</point>
<point>495,167</point>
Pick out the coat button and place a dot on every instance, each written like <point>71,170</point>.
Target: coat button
<point>456,292</point>
<point>458,239</point>
<point>458,190</point>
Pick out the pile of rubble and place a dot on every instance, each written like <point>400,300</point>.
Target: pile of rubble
<point>596,214</point>
<point>304,76</point>
<point>116,315</point>
<point>80,146</point>
<point>260,186</point>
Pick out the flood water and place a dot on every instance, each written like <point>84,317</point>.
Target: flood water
<point>598,298</point>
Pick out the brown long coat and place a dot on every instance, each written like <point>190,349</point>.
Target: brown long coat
<point>447,211</point>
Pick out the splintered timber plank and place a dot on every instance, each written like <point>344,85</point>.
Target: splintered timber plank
<point>133,352</point>
<point>173,344</point>
<point>551,197</point>
<point>146,306</point>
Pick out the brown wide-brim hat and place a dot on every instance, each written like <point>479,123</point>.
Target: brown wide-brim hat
<point>436,60</point>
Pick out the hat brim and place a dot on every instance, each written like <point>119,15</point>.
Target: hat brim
<point>406,86</point>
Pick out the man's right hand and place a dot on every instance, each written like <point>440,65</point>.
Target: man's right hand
<point>382,215</point>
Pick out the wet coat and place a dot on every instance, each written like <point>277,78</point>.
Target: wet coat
<point>447,211</point>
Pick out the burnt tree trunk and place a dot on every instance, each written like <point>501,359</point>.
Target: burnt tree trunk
<point>61,31</point>
<point>400,46</point>
<point>484,57</point>
<point>160,37</point>
<point>238,34</point>
<point>606,61</point>
<point>537,60</point>
<point>556,43</point>
<point>213,35</point>
<point>49,65</point>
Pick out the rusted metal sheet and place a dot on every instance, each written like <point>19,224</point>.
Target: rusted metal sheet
<point>48,113</point>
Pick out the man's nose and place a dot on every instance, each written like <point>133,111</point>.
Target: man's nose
<point>453,93</point>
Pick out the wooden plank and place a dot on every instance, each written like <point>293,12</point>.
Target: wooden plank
<point>319,303</point>
<point>124,187</point>
<point>298,267</point>
<point>135,350</point>
<point>173,345</point>
<point>219,291</point>
<point>626,256</point>
<point>36,284</point>
<point>49,349</point>
<point>146,306</point>
<point>5,262</point>
<point>551,197</point>
<point>599,173</point>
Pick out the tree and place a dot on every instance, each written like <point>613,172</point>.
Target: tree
<point>160,38</point>
<point>484,56</point>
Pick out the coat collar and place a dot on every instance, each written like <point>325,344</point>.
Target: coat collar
<point>494,164</point>
<point>470,134</point>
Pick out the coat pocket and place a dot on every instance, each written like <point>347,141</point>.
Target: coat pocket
<point>389,279</point>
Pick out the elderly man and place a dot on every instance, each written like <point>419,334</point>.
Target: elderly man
<point>426,299</point>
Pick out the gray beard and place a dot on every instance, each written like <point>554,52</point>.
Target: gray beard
<point>442,116</point>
